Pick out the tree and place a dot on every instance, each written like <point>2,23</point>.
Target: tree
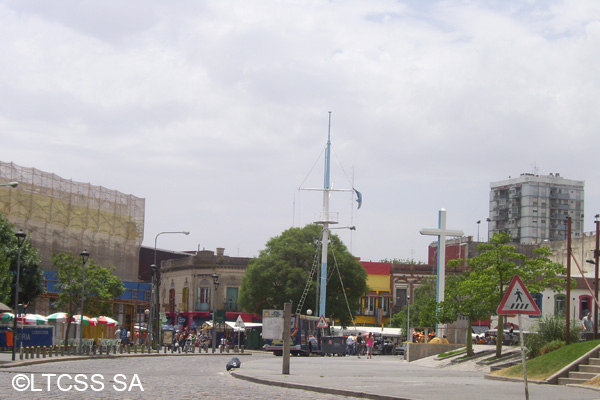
<point>101,286</point>
<point>467,295</point>
<point>281,271</point>
<point>422,309</point>
<point>490,273</point>
<point>31,277</point>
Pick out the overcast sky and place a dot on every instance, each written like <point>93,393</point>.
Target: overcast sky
<point>216,112</point>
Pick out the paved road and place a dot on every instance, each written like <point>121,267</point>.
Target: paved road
<point>165,377</point>
<point>185,377</point>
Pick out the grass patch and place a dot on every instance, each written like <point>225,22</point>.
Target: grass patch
<point>544,366</point>
<point>451,353</point>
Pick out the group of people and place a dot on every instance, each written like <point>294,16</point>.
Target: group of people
<point>359,344</point>
<point>184,340</point>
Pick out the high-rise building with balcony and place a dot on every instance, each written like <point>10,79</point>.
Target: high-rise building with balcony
<point>534,208</point>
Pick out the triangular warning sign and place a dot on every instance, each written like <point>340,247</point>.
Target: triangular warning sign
<point>322,323</point>
<point>517,300</point>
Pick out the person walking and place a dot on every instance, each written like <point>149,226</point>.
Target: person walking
<point>359,344</point>
<point>350,345</point>
<point>370,342</point>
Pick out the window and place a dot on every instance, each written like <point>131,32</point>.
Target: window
<point>185,295</point>
<point>538,298</point>
<point>585,305</point>
<point>370,305</point>
<point>385,305</point>
<point>231,299</point>
<point>560,301</point>
<point>203,299</point>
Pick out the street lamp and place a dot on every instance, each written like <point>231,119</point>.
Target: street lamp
<point>10,184</point>
<point>215,278</point>
<point>488,228</point>
<point>478,223</point>
<point>21,236</point>
<point>154,299</point>
<point>407,319</point>
<point>84,259</point>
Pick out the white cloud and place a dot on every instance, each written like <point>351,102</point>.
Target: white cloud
<point>215,111</point>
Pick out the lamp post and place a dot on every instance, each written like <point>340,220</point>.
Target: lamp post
<point>84,259</point>
<point>407,319</point>
<point>10,184</point>
<point>215,278</point>
<point>21,236</point>
<point>488,228</point>
<point>154,299</point>
<point>595,262</point>
<point>478,223</point>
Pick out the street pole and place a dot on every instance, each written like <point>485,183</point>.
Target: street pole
<point>407,320</point>
<point>21,236</point>
<point>214,326</point>
<point>154,298</point>
<point>84,258</point>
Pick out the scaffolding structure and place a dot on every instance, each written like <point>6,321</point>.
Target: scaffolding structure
<point>62,215</point>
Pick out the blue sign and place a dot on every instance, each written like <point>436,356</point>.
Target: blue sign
<point>181,320</point>
<point>29,336</point>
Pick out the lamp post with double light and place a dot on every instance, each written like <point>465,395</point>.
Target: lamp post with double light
<point>154,299</point>
<point>84,259</point>
<point>21,236</point>
<point>595,262</point>
<point>215,278</point>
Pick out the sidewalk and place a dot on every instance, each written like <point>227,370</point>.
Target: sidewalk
<point>390,377</point>
<point>382,377</point>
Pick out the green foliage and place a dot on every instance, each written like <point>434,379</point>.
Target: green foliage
<point>550,328</point>
<point>544,366</point>
<point>31,279</point>
<point>483,286</point>
<point>553,345</point>
<point>422,308</point>
<point>280,273</point>
<point>100,286</point>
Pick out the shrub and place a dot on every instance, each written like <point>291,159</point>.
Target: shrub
<point>551,346</point>
<point>550,328</point>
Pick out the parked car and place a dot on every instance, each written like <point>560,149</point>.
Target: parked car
<point>508,339</point>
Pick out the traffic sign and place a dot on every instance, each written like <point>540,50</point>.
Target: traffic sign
<point>322,323</point>
<point>517,300</point>
<point>239,322</point>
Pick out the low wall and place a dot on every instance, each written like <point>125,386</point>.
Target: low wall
<point>416,351</point>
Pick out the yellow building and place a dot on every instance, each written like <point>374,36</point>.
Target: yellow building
<point>375,305</point>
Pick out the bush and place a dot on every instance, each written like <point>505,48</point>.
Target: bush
<point>553,345</point>
<point>550,328</point>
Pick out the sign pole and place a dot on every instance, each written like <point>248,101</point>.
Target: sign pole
<point>518,300</point>
<point>523,358</point>
<point>287,317</point>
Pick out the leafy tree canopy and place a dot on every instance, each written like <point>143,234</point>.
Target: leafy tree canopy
<point>281,271</point>
<point>478,293</point>
<point>100,286</point>
<point>402,261</point>
<point>31,279</point>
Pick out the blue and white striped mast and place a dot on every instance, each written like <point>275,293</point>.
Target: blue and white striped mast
<point>325,240</point>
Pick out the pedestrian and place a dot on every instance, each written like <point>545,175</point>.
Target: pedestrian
<point>370,341</point>
<point>588,323</point>
<point>359,344</point>
<point>350,345</point>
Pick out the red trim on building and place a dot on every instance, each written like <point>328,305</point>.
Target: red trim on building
<point>377,268</point>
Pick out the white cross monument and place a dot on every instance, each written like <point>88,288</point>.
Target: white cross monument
<point>441,233</point>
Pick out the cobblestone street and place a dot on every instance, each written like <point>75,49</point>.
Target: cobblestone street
<point>178,377</point>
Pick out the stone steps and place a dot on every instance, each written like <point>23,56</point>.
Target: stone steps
<point>584,373</point>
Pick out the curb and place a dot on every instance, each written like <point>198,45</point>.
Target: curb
<point>23,363</point>
<point>318,389</point>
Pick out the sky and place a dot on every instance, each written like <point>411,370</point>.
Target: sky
<point>218,112</point>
